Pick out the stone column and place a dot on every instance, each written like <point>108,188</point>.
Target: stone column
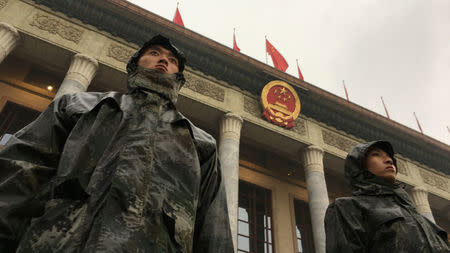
<point>317,193</point>
<point>230,132</point>
<point>81,71</point>
<point>9,37</point>
<point>419,196</point>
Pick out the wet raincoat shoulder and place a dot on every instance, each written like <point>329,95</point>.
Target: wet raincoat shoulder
<point>112,172</point>
<point>379,217</point>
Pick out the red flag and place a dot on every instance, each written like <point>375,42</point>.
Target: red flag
<point>300,76</point>
<point>235,46</point>
<point>418,124</point>
<point>385,109</point>
<point>177,18</point>
<point>345,89</point>
<point>278,60</point>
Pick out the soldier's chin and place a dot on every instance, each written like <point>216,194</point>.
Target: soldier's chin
<point>161,70</point>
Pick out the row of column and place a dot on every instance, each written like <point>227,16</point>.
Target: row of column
<point>230,129</point>
<point>81,71</point>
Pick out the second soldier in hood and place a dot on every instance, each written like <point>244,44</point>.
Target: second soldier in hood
<point>380,216</point>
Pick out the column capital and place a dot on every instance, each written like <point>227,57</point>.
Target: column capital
<point>230,126</point>
<point>9,37</point>
<point>312,157</point>
<point>82,69</point>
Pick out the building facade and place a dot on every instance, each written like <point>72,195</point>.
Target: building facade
<point>279,181</point>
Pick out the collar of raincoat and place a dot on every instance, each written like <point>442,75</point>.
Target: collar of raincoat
<point>363,182</point>
<point>150,80</point>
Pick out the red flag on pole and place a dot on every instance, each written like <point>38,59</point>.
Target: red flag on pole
<point>300,76</point>
<point>177,18</point>
<point>345,89</point>
<point>278,60</point>
<point>418,124</point>
<point>385,109</point>
<point>235,46</point>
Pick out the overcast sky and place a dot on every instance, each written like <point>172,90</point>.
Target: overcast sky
<point>396,49</point>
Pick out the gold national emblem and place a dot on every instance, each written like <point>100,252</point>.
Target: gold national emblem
<point>281,103</point>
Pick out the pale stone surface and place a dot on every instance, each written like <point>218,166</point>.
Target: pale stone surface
<point>234,100</point>
<point>419,196</point>
<point>284,228</point>
<point>9,37</point>
<point>79,76</point>
<point>314,132</point>
<point>230,131</point>
<point>317,193</point>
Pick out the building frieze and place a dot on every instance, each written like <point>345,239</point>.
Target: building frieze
<point>252,106</point>
<point>402,167</point>
<point>3,3</point>
<point>434,180</point>
<point>299,126</point>
<point>337,141</point>
<point>204,87</point>
<point>120,53</point>
<point>56,26</point>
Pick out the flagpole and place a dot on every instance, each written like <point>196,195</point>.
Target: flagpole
<point>300,76</point>
<point>265,36</point>
<point>345,89</point>
<point>385,109</point>
<point>418,124</point>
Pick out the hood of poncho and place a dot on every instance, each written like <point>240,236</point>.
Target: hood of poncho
<point>157,40</point>
<point>362,181</point>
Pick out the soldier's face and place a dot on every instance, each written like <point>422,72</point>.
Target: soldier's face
<point>380,164</point>
<point>158,58</point>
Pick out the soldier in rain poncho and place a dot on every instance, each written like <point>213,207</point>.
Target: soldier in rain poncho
<point>380,216</point>
<point>112,172</point>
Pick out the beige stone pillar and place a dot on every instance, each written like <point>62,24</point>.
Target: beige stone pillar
<point>283,218</point>
<point>80,74</point>
<point>419,196</point>
<point>230,132</point>
<point>9,38</point>
<point>317,193</point>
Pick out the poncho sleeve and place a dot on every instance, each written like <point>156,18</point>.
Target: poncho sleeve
<point>344,228</point>
<point>27,162</point>
<point>212,227</point>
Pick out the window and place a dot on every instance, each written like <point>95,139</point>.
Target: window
<point>14,117</point>
<point>303,227</point>
<point>255,230</point>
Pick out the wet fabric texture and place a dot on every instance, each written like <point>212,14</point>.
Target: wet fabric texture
<point>111,172</point>
<point>379,217</point>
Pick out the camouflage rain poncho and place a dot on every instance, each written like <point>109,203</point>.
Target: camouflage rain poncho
<point>380,216</point>
<point>111,172</point>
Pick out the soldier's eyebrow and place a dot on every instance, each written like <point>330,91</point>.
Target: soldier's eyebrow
<point>161,49</point>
